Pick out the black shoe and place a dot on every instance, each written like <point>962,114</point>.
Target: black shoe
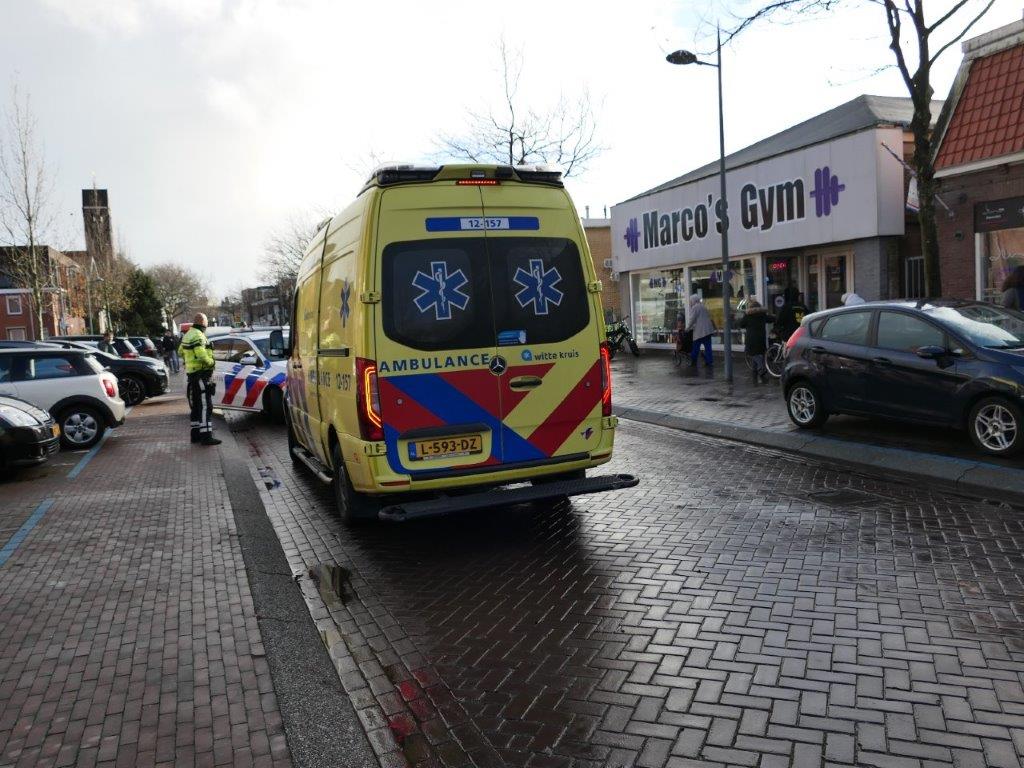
<point>209,440</point>
<point>196,437</point>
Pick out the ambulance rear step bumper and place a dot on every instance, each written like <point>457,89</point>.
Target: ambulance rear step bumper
<point>499,497</point>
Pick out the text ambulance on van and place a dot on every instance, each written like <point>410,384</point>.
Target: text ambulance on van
<point>448,339</point>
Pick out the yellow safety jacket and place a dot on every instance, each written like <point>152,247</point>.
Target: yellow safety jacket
<point>195,349</point>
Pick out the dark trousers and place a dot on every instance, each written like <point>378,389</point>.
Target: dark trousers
<point>704,341</point>
<point>200,395</point>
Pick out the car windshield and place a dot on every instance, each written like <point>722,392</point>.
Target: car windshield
<point>264,347</point>
<point>984,324</point>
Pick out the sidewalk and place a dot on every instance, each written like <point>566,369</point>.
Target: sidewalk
<point>129,636</point>
<point>651,389</point>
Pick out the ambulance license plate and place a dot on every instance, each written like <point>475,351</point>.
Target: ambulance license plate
<point>445,447</point>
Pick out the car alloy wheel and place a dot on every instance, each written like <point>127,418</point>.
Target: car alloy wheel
<point>803,405</point>
<point>132,390</point>
<point>996,427</point>
<point>80,428</point>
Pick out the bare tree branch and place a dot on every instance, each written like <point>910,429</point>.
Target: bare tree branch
<point>26,209</point>
<point>962,33</point>
<point>179,289</point>
<point>519,134</point>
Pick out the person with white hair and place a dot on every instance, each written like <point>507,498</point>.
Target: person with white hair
<point>195,349</point>
<point>703,327</point>
<point>851,299</point>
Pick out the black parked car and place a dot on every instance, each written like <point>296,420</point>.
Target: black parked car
<point>28,435</point>
<point>136,379</point>
<point>145,346</point>
<point>123,346</point>
<point>946,363</point>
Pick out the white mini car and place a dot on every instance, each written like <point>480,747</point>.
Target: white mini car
<point>70,384</point>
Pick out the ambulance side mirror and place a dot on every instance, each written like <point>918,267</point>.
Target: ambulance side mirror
<point>277,346</point>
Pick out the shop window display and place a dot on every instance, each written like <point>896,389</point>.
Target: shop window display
<point>707,283</point>
<point>1004,252</point>
<point>657,301</point>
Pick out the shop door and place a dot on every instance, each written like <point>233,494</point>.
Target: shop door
<point>833,275</point>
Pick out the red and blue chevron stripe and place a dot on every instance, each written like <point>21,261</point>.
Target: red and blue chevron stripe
<point>422,400</point>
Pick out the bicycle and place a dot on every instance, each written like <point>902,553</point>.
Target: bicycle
<point>774,359</point>
<point>619,335</point>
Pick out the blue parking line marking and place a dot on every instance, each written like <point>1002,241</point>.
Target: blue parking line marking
<point>23,532</point>
<point>77,469</point>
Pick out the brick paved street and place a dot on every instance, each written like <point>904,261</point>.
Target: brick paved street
<point>128,635</point>
<point>739,607</point>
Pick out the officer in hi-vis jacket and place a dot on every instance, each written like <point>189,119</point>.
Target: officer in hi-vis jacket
<point>195,349</point>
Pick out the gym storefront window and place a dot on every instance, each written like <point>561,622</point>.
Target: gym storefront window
<point>706,281</point>
<point>657,300</point>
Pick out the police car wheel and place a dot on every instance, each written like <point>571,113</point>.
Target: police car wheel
<point>353,507</point>
<point>273,404</point>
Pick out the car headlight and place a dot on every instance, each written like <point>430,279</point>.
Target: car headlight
<point>18,417</point>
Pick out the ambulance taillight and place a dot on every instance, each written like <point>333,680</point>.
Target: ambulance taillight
<point>368,400</point>
<point>606,380</point>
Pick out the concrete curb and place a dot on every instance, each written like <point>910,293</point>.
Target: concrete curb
<point>963,476</point>
<point>320,721</point>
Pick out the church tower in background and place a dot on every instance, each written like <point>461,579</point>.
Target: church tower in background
<point>96,214</point>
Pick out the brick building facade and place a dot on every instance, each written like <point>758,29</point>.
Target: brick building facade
<point>63,296</point>
<point>599,239</point>
<point>979,166</point>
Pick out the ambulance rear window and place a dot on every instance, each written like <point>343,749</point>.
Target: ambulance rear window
<point>464,293</point>
<point>436,294</point>
<point>539,288</point>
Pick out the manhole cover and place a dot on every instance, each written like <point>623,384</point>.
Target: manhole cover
<point>843,497</point>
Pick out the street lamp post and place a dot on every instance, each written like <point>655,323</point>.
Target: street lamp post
<point>687,57</point>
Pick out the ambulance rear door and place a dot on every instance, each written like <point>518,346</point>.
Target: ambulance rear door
<point>436,375</point>
<point>545,323</point>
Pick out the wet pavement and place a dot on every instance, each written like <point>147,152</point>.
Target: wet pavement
<point>127,630</point>
<point>652,382</point>
<point>738,607</point>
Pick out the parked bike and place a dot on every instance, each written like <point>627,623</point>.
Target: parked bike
<point>774,358</point>
<point>620,336</point>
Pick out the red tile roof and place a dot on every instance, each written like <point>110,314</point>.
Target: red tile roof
<point>988,120</point>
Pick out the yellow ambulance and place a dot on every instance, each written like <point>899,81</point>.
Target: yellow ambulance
<point>448,342</point>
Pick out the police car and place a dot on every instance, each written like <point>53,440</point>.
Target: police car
<point>250,371</point>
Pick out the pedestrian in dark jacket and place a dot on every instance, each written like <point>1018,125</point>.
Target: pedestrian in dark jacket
<point>170,350</point>
<point>755,343</point>
<point>791,314</point>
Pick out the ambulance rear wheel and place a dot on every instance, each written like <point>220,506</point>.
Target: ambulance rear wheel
<point>353,507</point>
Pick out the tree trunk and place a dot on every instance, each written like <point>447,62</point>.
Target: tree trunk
<point>920,126</point>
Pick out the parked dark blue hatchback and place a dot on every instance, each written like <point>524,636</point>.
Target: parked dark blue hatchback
<point>946,363</point>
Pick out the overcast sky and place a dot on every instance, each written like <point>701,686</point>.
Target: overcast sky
<point>212,122</point>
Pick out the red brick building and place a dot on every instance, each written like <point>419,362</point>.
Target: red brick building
<point>63,297</point>
<point>979,166</point>
<point>599,239</point>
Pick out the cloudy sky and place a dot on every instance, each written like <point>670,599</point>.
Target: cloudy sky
<point>212,122</point>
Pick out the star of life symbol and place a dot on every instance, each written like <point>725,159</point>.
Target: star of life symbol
<point>441,290</point>
<point>346,293</point>
<point>538,287</point>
